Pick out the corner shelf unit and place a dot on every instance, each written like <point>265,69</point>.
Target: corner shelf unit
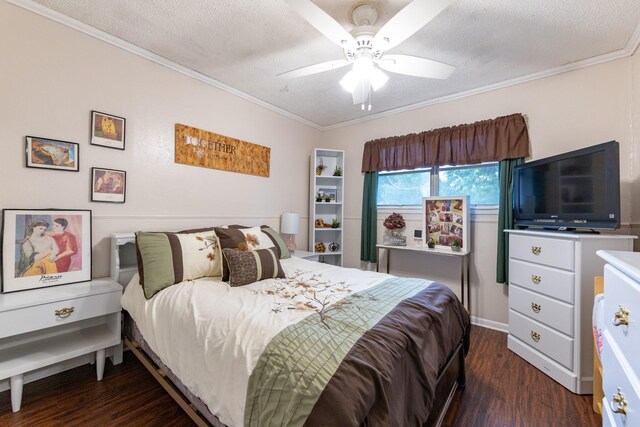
<point>330,186</point>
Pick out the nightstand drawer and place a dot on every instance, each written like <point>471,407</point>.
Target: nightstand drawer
<point>551,252</point>
<point>42,316</point>
<point>622,308</point>
<point>543,339</point>
<point>545,310</point>
<point>537,278</point>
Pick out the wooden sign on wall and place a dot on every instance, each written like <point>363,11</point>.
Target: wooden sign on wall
<point>198,147</point>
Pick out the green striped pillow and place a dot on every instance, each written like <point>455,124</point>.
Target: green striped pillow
<point>168,258</point>
<point>246,267</point>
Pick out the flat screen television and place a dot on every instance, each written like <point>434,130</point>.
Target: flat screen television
<point>578,189</point>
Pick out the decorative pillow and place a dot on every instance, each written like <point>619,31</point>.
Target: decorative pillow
<point>250,266</point>
<point>244,239</point>
<point>281,247</point>
<point>168,258</point>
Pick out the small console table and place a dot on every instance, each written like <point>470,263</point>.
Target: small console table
<point>462,255</point>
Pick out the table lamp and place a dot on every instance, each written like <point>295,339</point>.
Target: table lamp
<point>289,225</point>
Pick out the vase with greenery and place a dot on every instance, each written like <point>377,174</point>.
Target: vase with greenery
<point>337,171</point>
<point>431,243</point>
<point>456,246</point>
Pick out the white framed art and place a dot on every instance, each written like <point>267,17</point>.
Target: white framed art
<point>446,220</point>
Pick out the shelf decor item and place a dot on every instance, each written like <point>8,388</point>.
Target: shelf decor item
<point>446,220</point>
<point>52,154</point>
<point>108,185</point>
<point>107,130</point>
<point>46,247</point>
<point>455,246</point>
<point>320,247</point>
<point>320,168</point>
<point>334,247</point>
<point>431,244</point>
<point>337,171</point>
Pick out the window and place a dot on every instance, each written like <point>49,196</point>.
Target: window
<point>407,188</point>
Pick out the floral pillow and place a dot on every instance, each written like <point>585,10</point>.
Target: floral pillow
<point>243,239</point>
<point>167,258</point>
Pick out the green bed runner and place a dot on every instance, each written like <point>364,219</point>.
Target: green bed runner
<point>298,362</point>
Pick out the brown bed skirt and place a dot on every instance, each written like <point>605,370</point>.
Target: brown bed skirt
<point>451,376</point>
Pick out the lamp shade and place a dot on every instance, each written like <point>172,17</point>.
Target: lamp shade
<point>289,223</point>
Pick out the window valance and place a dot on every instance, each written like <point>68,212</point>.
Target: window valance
<point>484,141</point>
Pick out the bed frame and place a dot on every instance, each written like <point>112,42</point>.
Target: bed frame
<point>451,376</point>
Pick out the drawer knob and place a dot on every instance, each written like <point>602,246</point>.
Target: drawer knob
<point>622,316</point>
<point>619,403</point>
<point>536,307</point>
<point>535,336</point>
<point>536,279</point>
<point>536,250</point>
<point>63,313</point>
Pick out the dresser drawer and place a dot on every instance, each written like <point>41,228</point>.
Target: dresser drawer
<point>42,316</point>
<point>548,281</point>
<point>551,312</point>
<point>623,293</point>
<point>549,342</point>
<point>615,377</point>
<point>552,252</point>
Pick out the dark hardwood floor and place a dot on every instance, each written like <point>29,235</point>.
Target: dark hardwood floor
<point>502,390</point>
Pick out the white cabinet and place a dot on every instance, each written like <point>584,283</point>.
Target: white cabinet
<point>45,327</point>
<point>551,300</point>
<point>326,209</point>
<point>621,347</point>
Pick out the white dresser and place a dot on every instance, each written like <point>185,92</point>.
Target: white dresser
<point>621,347</point>
<point>551,300</point>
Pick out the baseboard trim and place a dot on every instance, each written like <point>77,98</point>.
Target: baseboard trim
<point>490,324</point>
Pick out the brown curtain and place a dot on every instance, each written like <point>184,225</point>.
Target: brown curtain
<point>485,141</point>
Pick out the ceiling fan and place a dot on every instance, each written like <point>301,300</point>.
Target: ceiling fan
<point>365,45</point>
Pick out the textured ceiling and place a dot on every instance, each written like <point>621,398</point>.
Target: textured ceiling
<point>246,43</point>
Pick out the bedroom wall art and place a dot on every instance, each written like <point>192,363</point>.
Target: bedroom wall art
<point>45,247</point>
<point>198,147</point>
<point>446,220</point>
<point>108,185</point>
<point>107,130</point>
<point>52,154</point>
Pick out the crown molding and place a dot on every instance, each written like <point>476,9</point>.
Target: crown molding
<point>628,50</point>
<point>136,50</point>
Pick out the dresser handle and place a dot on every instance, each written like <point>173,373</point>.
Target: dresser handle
<point>535,336</point>
<point>619,403</point>
<point>622,316</point>
<point>536,250</point>
<point>536,279</point>
<point>535,307</point>
<point>64,312</point>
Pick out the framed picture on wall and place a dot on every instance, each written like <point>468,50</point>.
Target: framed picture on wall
<point>107,130</point>
<point>108,185</point>
<point>446,220</point>
<point>44,247</point>
<point>48,153</point>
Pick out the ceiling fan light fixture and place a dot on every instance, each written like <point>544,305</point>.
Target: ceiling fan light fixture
<point>363,66</point>
<point>349,81</point>
<point>378,79</point>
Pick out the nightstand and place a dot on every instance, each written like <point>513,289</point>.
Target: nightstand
<point>44,327</point>
<point>305,255</point>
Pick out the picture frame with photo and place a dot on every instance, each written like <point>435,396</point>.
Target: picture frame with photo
<point>108,185</point>
<point>332,193</point>
<point>108,130</point>
<point>446,219</point>
<point>47,153</point>
<point>44,247</point>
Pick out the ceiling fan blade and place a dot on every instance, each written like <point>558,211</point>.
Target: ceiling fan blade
<point>414,16</point>
<point>415,66</point>
<point>315,68</point>
<point>361,92</point>
<point>324,23</point>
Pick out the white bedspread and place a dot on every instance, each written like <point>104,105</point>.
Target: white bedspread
<point>211,335</point>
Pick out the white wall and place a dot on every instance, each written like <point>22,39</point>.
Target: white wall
<point>52,76</point>
<point>564,112</point>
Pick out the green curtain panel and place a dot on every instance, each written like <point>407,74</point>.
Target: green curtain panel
<point>368,232</point>
<point>505,217</point>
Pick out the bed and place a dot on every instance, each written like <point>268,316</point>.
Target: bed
<point>323,345</point>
